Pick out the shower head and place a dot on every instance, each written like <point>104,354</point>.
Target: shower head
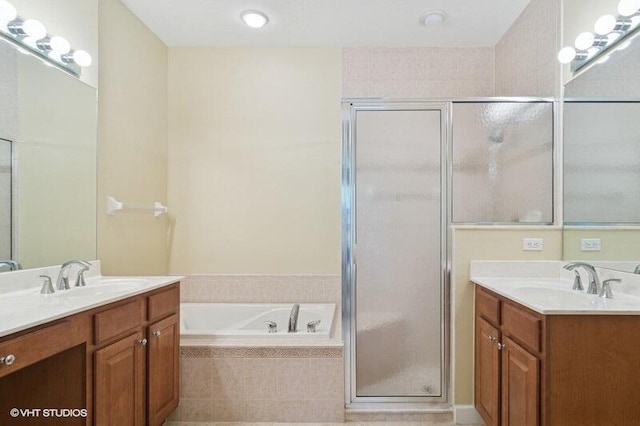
<point>496,136</point>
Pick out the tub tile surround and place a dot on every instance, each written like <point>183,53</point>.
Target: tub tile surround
<point>261,288</point>
<point>249,381</point>
<point>214,387</point>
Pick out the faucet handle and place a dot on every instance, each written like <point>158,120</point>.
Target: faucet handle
<point>80,281</point>
<point>312,325</point>
<point>47,285</point>
<point>273,327</point>
<point>605,291</point>
<point>577,282</point>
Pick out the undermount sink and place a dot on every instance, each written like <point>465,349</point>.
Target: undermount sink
<point>103,287</point>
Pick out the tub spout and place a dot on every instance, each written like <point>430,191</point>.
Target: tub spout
<point>293,318</point>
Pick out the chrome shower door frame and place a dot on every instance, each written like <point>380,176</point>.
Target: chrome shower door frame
<point>349,272</point>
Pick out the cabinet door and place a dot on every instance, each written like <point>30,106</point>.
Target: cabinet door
<point>487,372</point>
<point>120,383</point>
<point>520,386</point>
<point>163,364</point>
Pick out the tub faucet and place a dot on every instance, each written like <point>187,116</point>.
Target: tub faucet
<point>293,318</point>
<point>594,281</point>
<point>63,277</point>
<point>12,264</point>
<point>637,270</point>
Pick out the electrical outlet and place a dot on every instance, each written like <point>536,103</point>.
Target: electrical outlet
<point>590,244</point>
<point>532,244</point>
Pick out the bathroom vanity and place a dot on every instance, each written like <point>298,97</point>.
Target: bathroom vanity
<point>573,362</point>
<point>117,361</point>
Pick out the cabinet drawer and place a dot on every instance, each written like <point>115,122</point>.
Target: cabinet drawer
<point>522,326</point>
<point>487,306</point>
<point>36,346</point>
<point>164,303</point>
<point>118,320</point>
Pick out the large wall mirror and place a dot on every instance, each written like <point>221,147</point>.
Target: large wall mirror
<point>602,161</point>
<point>48,133</point>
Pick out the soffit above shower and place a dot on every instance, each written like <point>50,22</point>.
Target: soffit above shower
<point>327,23</point>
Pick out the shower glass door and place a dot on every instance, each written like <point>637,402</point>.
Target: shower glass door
<point>395,254</point>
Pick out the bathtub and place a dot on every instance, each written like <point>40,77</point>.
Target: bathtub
<point>247,320</point>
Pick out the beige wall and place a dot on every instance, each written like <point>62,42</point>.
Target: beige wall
<point>484,244</point>
<point>420,72</point>
<point>75,20</point>
<point>132,142</point>
<point>617,244</point>
<point>526,63</point>
<point>254,160</point>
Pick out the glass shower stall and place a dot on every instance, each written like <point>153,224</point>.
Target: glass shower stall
<point>394,251</point>
<point>411,170</point>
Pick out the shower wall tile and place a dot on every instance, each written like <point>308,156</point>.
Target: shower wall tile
<point>293,387</point>
<point>525,57</point>
<point>417,72</point>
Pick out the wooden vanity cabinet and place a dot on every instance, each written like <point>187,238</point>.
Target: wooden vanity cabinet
<point>554,370</point>
<point>118,361</point>
<point>136,376</point>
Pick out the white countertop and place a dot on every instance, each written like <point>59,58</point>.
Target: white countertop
<point>553,296</point>
<point>23,308</point>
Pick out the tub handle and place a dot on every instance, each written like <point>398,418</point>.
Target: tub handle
<point>273,327</point>
<point>312,325</point>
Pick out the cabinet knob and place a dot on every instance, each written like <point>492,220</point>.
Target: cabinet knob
<point>143,342</point>
<point>157,333</point>
<point>492,339</point>
<point>501,346</point>
<point>7,360</point>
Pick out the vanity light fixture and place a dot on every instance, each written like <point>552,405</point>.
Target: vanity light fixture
<point>628,7</point>
<point>254,18</point>
<point>610,32</point>
<point>30,36</point>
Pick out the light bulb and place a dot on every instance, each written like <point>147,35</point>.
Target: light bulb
<point>82,58</point>
<point>628,7</point>
<point>254,18</point>
<point>585,40</point>
<point>566,55</point>
<point>605,24</point>
<point>31,42</point>
<point>59,45</point>
<point>7,11</point>
<point>35,29</point>
<point>624,45</point>
<point>611,37</point>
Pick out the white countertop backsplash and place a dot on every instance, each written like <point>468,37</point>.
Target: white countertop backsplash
<point>22,306</point>
<point>519,281</point>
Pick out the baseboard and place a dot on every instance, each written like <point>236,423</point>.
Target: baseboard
<point>466,415</point>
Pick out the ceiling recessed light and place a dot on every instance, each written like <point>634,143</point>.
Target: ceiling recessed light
<point>254,18</point>
<point>433,18</point>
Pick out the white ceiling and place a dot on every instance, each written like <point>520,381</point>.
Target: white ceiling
<point>327,23</point>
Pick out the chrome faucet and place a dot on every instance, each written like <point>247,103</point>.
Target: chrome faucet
<point>594,281</point>
<point>637,270</point>
<point>12,264</point>
<point>293,318</point>
<point>63,277</point>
